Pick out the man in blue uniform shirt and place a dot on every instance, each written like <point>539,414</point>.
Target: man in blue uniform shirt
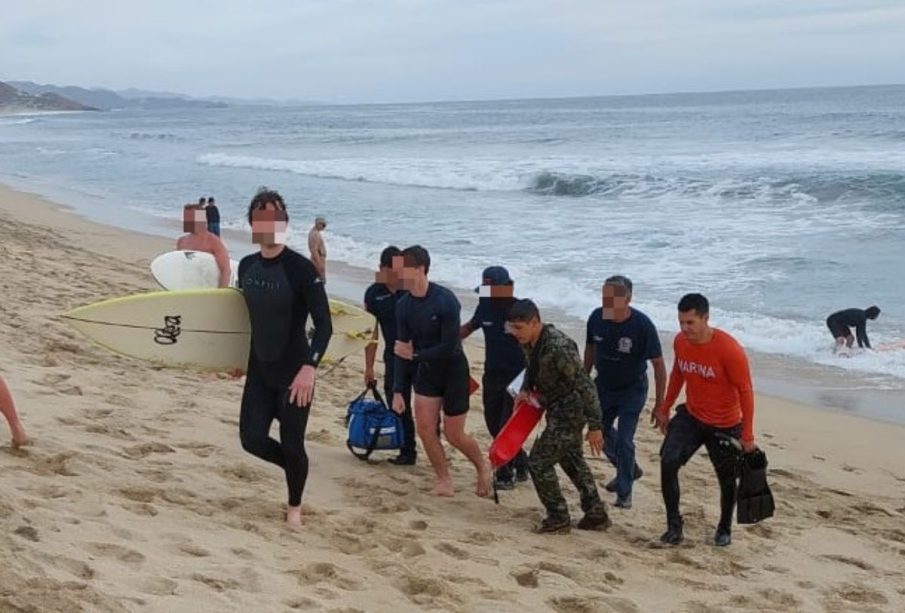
<point>620,341</point>
<point>503,361</point>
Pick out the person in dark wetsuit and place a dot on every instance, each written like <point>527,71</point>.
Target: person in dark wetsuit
<point>503,361</point>
<point>840,324</point>
<point>380,300</point>
<point>428,335</point>
<point>213,217</point>
<point>281,289</point>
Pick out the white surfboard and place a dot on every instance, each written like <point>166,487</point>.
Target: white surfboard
<point>176,270</point>
<point>202,328</point>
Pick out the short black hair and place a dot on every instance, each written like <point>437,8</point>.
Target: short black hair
<point>872,312</point>
<point>210,200</point>
<point>387,255</point>
<point>523,310</point>
<point>260,200</point>
<point>202,200</point>
<point>694,302</point>
<point>416,256</point>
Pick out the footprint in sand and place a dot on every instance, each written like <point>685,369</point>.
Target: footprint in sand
<point>325,572</point>
<point>302,604</point>
<point>216,584</point>
<point>145,449</point>
<point>243,473</point>
<point>111,550</point>
<point>856,594</point>
<point>159,586</point>
<point>578,604</point>
<point>418,524</point>
<point>190,549</point>
<point>202,450</point>
<point>452,551</point>
<point>850,561</point>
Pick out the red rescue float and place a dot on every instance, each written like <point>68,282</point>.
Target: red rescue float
<point>515,432</point>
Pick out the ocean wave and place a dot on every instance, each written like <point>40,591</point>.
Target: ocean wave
<point>581,178</point>
<point>17,122</point>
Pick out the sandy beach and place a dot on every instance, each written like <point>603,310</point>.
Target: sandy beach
<point>136,494</point>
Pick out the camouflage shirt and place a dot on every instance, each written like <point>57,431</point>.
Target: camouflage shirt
<point>556,374</point>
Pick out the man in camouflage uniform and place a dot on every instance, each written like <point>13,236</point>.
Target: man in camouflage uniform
<point>556,376</point>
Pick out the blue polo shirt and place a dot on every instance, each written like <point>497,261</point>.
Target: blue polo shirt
<point>502,353</point>
<point>622,349</point>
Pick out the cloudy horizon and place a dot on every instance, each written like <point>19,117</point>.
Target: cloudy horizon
<point>350,51</point>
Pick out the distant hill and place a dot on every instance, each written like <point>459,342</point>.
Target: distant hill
<point>13,99</point>
<point>108,99</point>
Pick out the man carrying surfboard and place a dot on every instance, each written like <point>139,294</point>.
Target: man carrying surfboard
<point>281,289</point>
<point>556,377</point>
<point>503,361</point>
<point>8,408</point>
<point>194,222</point>
<point>428,320</point>
<point>380,300</point>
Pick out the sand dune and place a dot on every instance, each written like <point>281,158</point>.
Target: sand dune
<point>136,495</point>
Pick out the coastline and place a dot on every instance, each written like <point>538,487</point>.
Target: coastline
<point>136,495</point>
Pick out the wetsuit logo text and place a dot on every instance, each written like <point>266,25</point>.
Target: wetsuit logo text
<point>170,331</point>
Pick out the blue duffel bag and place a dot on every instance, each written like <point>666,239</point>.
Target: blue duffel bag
<point>372,425</point>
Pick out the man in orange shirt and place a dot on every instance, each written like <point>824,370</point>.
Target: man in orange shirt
<point>718,410</point>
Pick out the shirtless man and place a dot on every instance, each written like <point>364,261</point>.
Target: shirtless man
<point>317,248</point>
<point>8,408</point>
<point>194,221</point>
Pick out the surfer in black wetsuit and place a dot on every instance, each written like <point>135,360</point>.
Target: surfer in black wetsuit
<point>428,320</point>
<point>281,289</point>
<point>840,324</point>
<point>380,300</point>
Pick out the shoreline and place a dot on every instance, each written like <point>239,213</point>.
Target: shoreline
<point>774,375</point>
<point>137,496</point>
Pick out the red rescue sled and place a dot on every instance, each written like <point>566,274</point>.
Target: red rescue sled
<point>515,432</point>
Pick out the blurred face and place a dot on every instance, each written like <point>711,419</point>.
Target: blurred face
<point>268,225</point>
<point>693,326</point>
<point>410,276</point>
<point>488,290</point>
<point>525,332</point>
<point>615,302</point>
<point>193,219</point>
<point>390,275</point>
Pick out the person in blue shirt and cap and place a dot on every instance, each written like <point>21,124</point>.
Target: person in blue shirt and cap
<point>503,361</point>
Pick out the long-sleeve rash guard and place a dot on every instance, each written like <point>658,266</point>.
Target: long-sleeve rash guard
<point>718,382</point>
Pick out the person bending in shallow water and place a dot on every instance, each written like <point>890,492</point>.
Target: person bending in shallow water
<point>841,323</point>
<point>8,408</point>
<point>281,289</point>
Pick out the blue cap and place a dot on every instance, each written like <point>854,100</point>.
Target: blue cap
<point>494,275</point>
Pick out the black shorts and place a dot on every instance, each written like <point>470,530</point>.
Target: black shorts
<point>446,379</point>
<point>838,329</point>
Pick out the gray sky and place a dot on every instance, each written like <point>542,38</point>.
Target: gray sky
<point>402,50</point>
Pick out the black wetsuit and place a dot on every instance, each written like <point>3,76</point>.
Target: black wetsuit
<point>432,325</point>
<point>840,324</point>
<point>381,302</point>
<point>213,219</point>
<point>280,294</point>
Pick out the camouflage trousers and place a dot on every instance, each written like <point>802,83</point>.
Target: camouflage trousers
<point>561,443</point>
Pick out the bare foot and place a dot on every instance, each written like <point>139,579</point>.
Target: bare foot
<point>444,487</point>
<point>485,482</point>
<point>20,439</point>
<point>294,516</point>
